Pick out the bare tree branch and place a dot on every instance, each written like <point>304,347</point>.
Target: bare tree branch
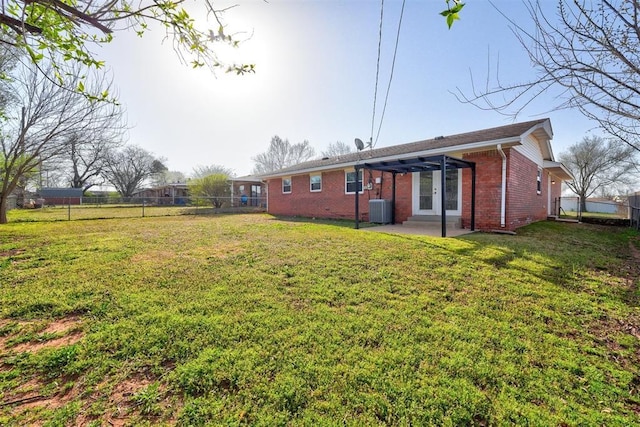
<point>282,154</point>
<point>589,52</point>
<point>598,164</point>
<point>40,124</point>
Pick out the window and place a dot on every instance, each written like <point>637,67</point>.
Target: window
<point>350,182</point>
<point>539,182</point>
<point>286,185</point>
<point>315,182</point>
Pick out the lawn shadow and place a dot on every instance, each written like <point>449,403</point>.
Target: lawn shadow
<point>336,222</point>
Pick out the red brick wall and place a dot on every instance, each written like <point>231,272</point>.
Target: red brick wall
<point>488,190</point>
<point>404,197</point>
<point>524,204</point>
<point>332,201</point>
<point>62,201</point>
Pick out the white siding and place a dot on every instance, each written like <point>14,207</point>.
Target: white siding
<point>531,150</point>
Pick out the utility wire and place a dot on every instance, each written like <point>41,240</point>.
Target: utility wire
<point>375,92</point>
<point>393,64</point>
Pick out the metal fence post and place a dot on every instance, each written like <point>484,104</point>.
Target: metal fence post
<point>142,208</point>
<point>69,209</point>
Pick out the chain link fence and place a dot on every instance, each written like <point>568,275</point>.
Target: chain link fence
<point>634,210</point>
<point>570,207</point>
<point>133,207</point>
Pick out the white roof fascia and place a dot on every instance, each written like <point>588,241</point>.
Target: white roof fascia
<point>557,165</point>
<point>446,150</point>
<point>546,126</point>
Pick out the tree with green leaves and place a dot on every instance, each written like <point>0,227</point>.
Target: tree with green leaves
<point>61,32</point>
<point>598,165</point>
<point>215,188</point>
<point>452,12</point>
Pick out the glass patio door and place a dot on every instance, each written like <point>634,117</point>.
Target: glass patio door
<point>427,199</point>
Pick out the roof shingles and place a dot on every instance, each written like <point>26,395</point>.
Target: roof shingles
<point>493,134</point>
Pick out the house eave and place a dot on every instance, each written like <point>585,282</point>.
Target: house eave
<point>544,134</point>
<point>458,150</point>
<point>558,170</point>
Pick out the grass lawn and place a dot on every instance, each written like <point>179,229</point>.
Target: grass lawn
<point>250,320</point>
<point>106,211</point>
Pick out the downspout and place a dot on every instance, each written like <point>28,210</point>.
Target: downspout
<point>503,195</point>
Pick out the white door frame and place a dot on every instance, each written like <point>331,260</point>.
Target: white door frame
<point>437,196</point>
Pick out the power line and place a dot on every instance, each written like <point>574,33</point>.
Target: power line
<point>375,92</point>
<point>393,64</point>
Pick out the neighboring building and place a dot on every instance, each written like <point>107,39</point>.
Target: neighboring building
<point>516,180</point>
<point>178,193</point>
<point>61,196</point>
<point>251,187</point>
<point>168,194</point>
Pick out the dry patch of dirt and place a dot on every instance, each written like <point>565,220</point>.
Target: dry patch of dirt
<point>30,394</point>
<point>122,406</point>
<point>65,331</point>
<point>12,252</point>
<point>121,399</point>
<point>28,397</point>
<point>34,347</point>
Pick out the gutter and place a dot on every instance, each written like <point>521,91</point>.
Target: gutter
<point>475,146</point>
<point>503,195</point>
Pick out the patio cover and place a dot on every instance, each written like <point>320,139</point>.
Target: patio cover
<point>420,164</point>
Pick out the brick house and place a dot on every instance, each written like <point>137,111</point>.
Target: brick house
<point>251,187</point>
<point>516,180</point>
<point>176,193</point>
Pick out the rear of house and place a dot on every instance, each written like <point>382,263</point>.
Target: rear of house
<point>516,180</point>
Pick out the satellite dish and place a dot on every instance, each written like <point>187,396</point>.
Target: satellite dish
<point>359,144</point>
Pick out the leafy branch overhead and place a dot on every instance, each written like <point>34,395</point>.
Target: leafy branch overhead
<point>452,12</point>
<point>64,31</point>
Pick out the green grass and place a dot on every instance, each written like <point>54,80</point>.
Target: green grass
<point>250,320</point>
<point>574,214</point>
<point>107,211</point>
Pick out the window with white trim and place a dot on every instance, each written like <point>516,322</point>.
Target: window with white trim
<point>350,181</point>
<point>315,182</point>
<point>539,182</point>
<point>286,185</point>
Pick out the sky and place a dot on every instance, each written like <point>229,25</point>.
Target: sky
<point>315,75</point>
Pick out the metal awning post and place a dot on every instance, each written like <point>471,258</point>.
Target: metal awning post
<point>421,164</point>
<point>357,197</point>
<point>473,197</point>
<point>443,194</point>
<point>393,197</point>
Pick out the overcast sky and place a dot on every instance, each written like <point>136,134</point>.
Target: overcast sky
<point>315,78</point>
